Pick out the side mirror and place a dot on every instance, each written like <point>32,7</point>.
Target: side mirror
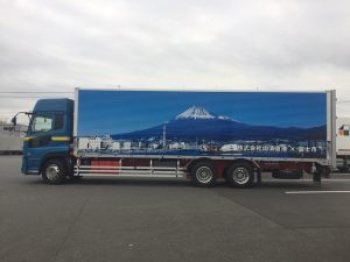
<point>14,120</point>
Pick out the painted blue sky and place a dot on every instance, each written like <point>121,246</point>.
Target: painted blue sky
<point>113,112</point>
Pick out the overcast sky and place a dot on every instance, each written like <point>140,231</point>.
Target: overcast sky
<point>238,45</point>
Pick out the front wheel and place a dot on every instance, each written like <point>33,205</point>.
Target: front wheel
<point>54,172</point>
<point>240,175</point>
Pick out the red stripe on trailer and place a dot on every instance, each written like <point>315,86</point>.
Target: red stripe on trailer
<point>97,163</point>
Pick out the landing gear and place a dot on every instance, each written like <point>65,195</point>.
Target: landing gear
<point>316,177</point>
<point>321,171</point>
<point>326,172</point>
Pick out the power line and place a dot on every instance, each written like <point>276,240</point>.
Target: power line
<point>26,97</point>
<point>32,94</point>
<point>36,92</point>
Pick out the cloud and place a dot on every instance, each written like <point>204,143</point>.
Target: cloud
<point>279,45</point>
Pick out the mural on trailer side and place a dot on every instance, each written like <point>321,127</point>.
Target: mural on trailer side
<point>267,124</point>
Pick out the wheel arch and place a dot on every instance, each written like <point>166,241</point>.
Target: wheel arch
<point>193,162</point>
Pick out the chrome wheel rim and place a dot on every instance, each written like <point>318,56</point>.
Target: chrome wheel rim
<point>240,175</point>
<point>52,172</point>
<point>204,175</point>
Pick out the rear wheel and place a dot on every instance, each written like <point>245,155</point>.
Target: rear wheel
<point>203,174</point>
<point>240,175</point>
<point>54,171</point>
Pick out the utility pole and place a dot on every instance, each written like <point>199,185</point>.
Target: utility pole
<point>164,134</point>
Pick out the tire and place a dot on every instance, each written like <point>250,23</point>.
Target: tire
<point>203,174</point>
<point>240,175</point>
<point>54,172</point>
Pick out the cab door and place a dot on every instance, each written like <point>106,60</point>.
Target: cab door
<point>47,134</point>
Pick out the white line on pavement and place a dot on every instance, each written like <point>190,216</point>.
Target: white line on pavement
<point>315,192</point>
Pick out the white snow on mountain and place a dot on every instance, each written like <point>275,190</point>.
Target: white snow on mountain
<point>224,118</point>
<point>196,112</point>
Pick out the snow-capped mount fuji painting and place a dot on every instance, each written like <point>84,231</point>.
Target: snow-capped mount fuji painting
<point>266,124</point>
<point>197,123</point>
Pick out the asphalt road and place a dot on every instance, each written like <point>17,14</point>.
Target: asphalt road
<point>168,220</point>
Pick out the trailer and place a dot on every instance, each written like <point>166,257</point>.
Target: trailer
<point>11,139</point>
<point>343,143</point>
<point>201,135</point>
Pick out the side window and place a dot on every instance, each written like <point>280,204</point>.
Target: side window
<point>46,123</point>
<point>42,124</point>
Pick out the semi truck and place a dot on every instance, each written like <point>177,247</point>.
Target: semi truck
<point>201,135</point>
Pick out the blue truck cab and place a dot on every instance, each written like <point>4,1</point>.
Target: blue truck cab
<point>49,137</point>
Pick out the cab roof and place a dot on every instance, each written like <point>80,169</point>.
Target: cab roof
<point>54,105</point>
